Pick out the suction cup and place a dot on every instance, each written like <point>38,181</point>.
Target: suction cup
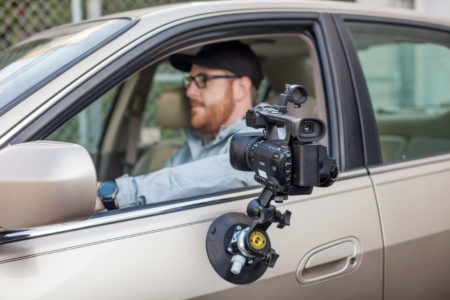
<point>219,235</point>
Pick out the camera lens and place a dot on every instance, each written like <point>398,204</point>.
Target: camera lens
<point>240,149</point>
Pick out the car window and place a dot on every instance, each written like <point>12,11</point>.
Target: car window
<point>162,121</point>
<point>407,71</point>
<point>137,127</point>
<point>87,127</point>
<point>34,62</point>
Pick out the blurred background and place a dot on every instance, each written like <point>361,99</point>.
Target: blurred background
<point>22,18</point>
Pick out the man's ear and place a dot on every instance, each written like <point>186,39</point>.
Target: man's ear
<point>241,88</point>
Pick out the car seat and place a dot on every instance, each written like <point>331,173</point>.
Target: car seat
<point>173,111</point>
<point>412,134</point>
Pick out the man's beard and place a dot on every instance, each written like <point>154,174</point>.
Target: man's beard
<point>209,119</point>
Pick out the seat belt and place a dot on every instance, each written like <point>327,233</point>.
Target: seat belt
<point>132,138</point>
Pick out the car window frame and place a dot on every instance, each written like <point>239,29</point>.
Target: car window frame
<point>40,127</point>
<point>178,37</point>
<point>348,123</point>
<point>372,147</point>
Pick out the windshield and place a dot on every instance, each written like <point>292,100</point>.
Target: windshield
<point>32,63</point>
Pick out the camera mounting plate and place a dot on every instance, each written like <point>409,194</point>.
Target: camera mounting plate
<point>217,242</point>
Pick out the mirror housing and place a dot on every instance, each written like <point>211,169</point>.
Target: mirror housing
<point>44,183</point>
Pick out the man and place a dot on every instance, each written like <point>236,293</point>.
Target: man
<point>222,86</point>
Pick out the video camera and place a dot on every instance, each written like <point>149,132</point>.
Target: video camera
<point>289,166</point>
<point>238,245</point>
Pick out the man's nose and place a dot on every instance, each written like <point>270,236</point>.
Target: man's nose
<point>192,90</point>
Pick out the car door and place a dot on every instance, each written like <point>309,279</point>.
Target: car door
<point>406,70</point>
<point>332,249</point>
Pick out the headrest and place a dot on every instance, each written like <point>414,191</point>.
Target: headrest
<point>174,109</point>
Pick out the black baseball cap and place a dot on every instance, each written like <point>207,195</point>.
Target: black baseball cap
<point>233,56</point>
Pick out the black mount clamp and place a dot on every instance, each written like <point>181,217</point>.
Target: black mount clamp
<point>238,245</point>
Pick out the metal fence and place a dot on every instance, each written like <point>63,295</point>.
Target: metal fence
<point>22,18</point>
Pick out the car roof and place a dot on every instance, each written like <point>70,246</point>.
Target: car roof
<point>157,17</point>
<point>181,10</point>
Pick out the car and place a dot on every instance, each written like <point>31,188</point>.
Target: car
<point>90,101</point>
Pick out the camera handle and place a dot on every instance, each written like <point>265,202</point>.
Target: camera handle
<point>294,93</point>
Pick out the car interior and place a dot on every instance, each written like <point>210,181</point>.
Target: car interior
<point>419,126</point>
<point>148,111</point>
<point>144,127</point>
<point>414,133</point>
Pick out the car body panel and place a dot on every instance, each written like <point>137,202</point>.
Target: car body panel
<point>168,250</point>
<point>412,195</point>
<point>414,207</point>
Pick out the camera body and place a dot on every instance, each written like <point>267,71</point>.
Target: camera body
<point>291,165</point>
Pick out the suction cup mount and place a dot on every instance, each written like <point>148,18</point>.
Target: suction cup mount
<point>238,245</point>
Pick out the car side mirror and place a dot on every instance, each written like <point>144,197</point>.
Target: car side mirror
<point>44,183</point>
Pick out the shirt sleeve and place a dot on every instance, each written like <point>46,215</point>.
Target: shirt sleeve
<point>208,175</point>
<point>182,156</point>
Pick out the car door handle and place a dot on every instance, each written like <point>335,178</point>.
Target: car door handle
<point>329,260</point>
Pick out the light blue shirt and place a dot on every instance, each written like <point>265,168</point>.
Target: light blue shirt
<point>201,167</point>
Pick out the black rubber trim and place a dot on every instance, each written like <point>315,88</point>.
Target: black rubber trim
<point>328,88</point>
<point>223,199</point>
<point>340,80</point>
<point>64,68</point>
<point>155,48</point>
<point>393,21</point>
<point>369,130</point>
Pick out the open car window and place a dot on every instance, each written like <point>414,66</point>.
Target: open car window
<point>142,122</point>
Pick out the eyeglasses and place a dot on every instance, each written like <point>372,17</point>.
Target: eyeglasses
<point>201,79</point>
